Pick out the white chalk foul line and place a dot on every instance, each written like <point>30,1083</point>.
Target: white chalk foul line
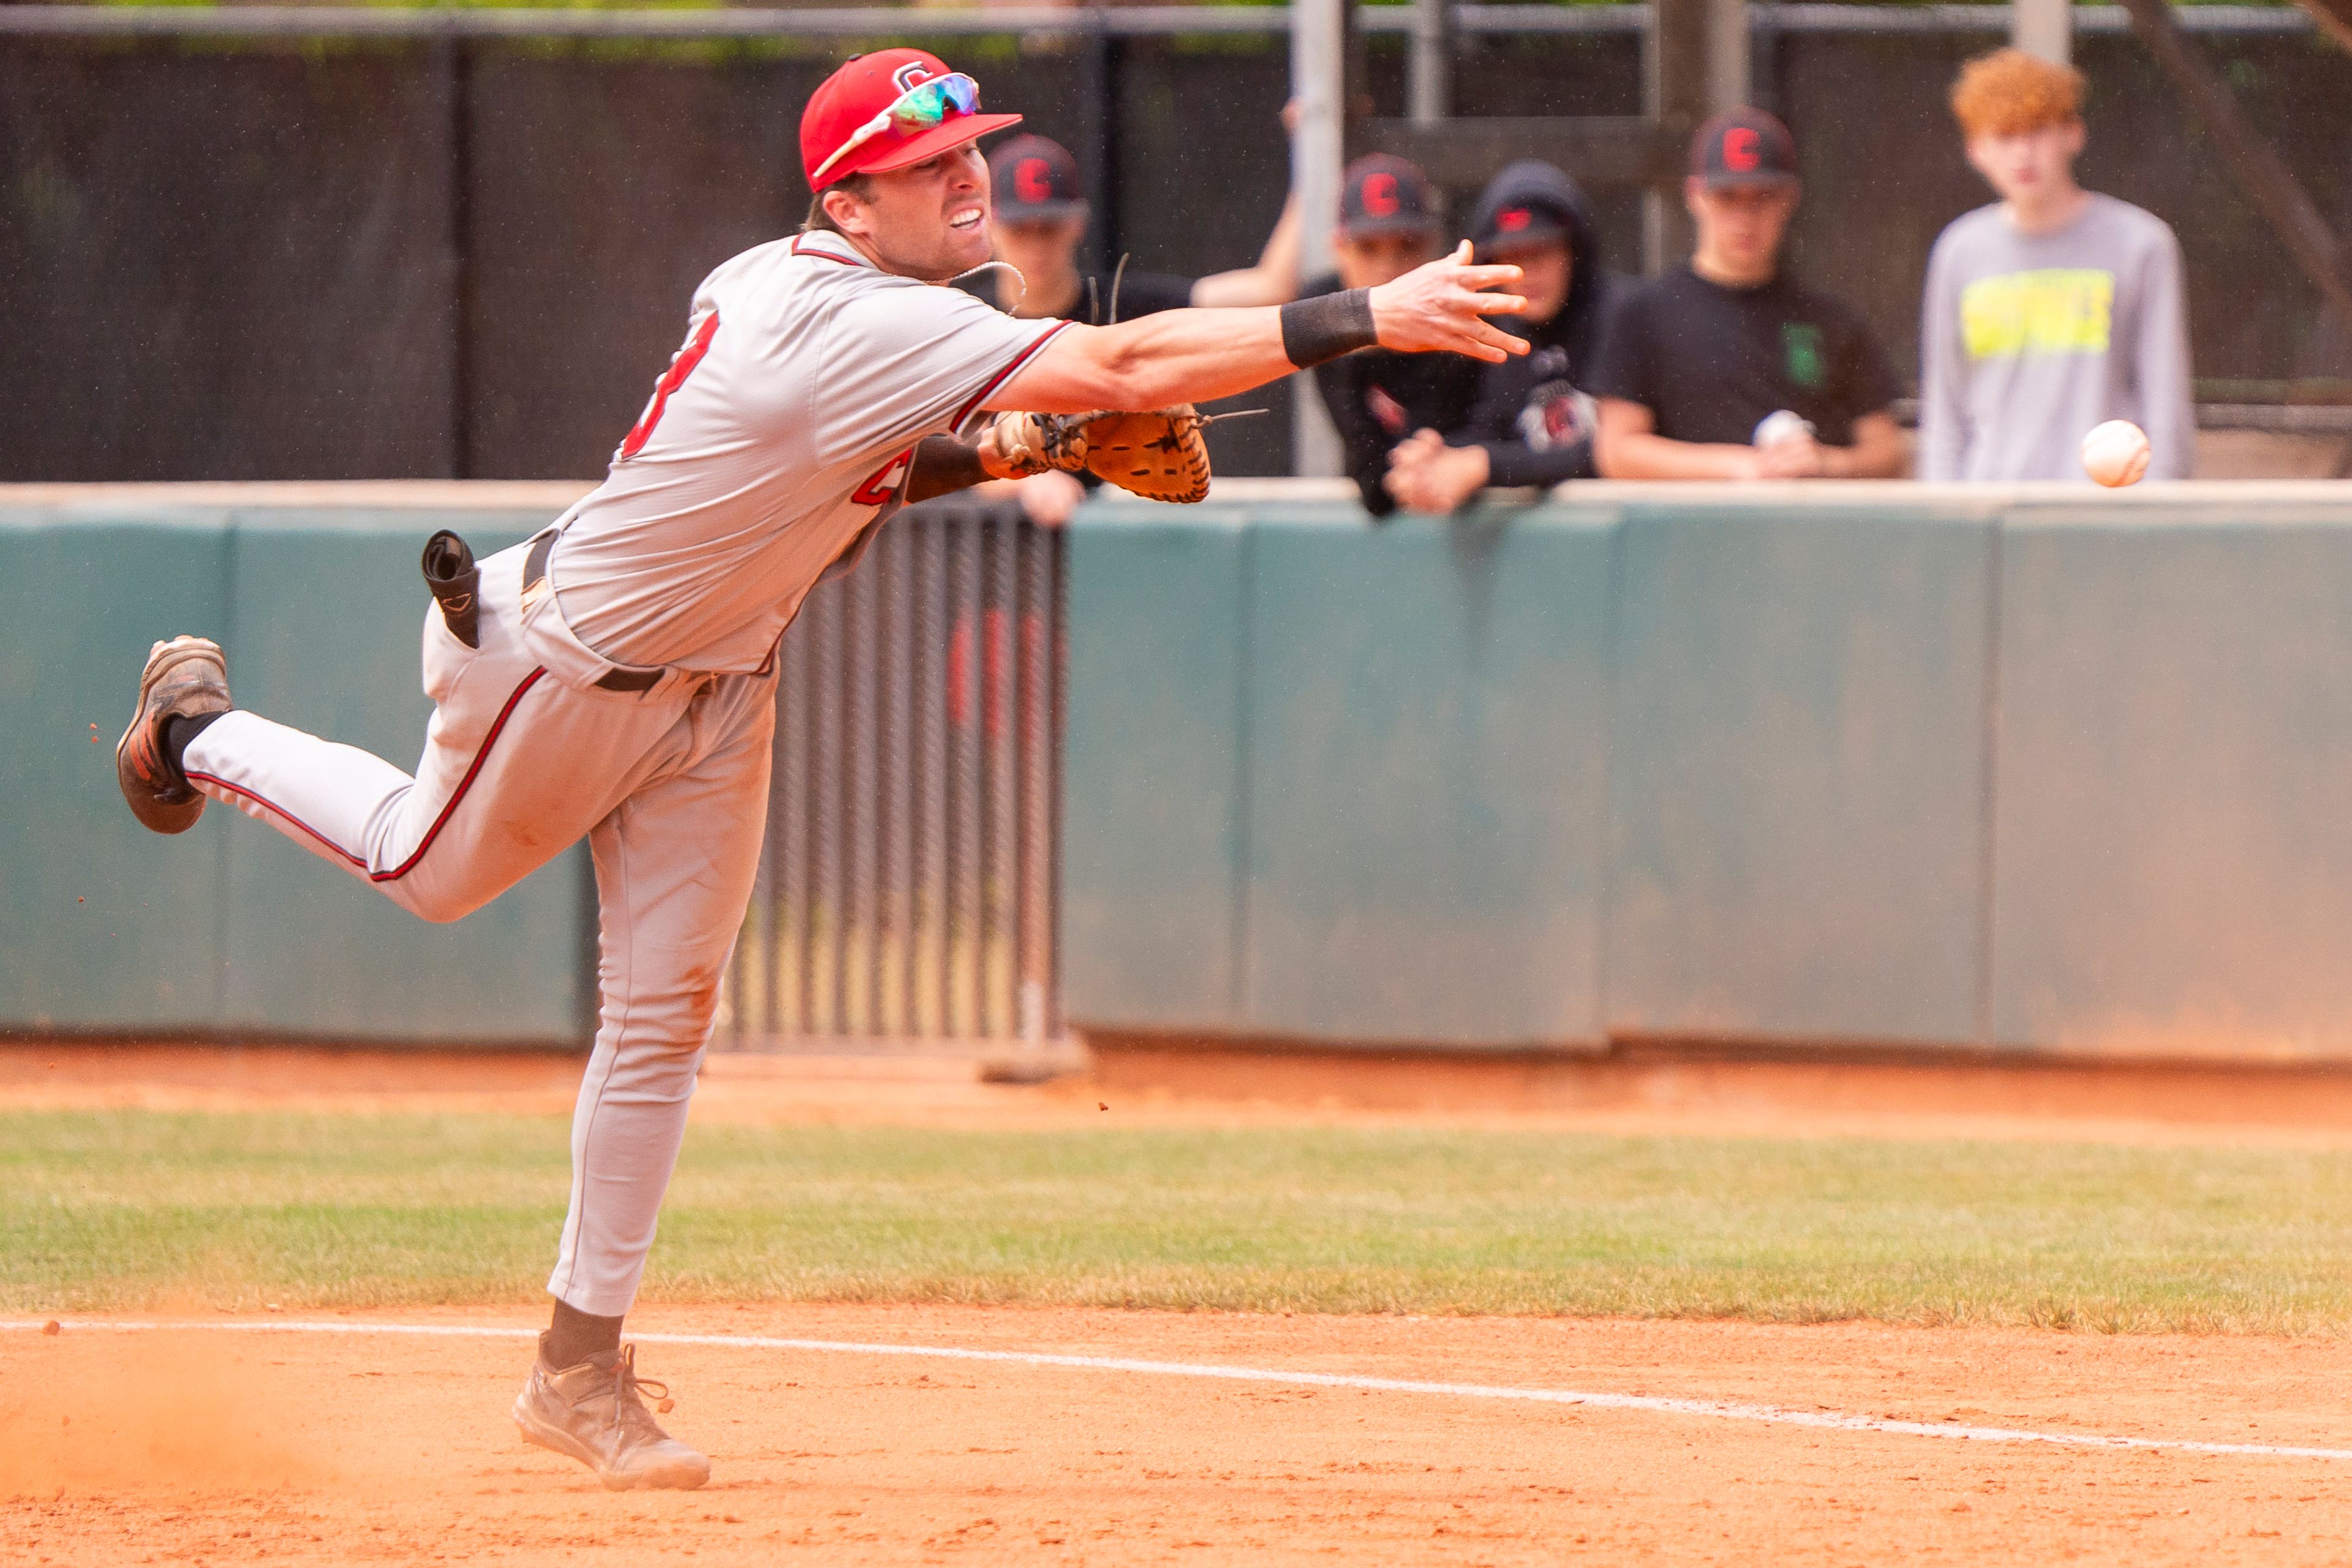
<point>1708,1409</point>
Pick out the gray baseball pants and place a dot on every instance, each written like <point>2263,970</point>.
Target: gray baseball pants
<point>524,755</point>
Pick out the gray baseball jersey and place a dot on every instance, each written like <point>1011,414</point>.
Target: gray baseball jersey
<point>778,440</point>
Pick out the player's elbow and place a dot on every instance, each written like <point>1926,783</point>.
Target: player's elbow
<point>1085,368</point>
<point>1128,376</point>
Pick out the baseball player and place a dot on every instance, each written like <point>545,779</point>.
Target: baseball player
<point>614,677</point>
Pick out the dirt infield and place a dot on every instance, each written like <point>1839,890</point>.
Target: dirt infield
<point>1650,1092</point>
<point>241,1448</point>
<point>259,1440</point>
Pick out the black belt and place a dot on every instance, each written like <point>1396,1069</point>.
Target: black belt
<point>534,573</point>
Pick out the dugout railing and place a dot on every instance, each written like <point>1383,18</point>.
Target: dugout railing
<point>905,889</point>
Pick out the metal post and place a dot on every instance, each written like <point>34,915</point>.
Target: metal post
<point>2045,28</point>
<point>453,68</point>
<point>1429,76</point>
<point>1319,54</point>
<point>1730,75</point>
<point>1099,87</point>
<point>1674,84</point>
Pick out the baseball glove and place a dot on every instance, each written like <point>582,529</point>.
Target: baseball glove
<point>1036,442</point>
<point>1159,455</point>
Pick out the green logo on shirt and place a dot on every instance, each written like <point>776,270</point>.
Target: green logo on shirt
<point>1802,340</point>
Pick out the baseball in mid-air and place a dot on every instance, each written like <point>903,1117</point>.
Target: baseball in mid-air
<point>2116,453</point>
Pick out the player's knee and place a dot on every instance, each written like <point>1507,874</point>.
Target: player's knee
<point>439,905</point>
<point>675,1015</point>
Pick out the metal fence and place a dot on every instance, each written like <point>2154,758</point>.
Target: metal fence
<point>907,888</point>
<point>1123,21</point>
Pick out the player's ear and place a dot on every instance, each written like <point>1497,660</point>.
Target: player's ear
<point>847,211</point>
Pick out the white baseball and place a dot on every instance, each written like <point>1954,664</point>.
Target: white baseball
<point>2116,453</point>
<point>1782,425</point>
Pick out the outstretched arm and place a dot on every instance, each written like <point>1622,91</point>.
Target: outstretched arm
<point>1196,355</point>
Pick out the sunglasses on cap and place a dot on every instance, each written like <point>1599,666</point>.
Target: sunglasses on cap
<point>919,107</point>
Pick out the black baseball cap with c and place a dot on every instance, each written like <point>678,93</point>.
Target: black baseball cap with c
<point>1035,180</point>
<point>1383,194</point>
<point>1743,147</point>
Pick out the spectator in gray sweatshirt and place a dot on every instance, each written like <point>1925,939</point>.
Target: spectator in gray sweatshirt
<point>2052,311</point>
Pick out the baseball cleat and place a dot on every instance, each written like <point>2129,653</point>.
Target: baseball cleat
<point>184,678</point>
<point>593,1413</point>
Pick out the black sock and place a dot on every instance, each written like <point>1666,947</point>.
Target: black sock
<point>178,730</point>
<point>575,1335</point>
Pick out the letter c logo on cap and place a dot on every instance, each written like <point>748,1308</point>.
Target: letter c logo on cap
<point>911,75</point>
<point>1032,180</point>
<point>1742,148</point>
<point>1380,194</point>
<point>1513,219</point>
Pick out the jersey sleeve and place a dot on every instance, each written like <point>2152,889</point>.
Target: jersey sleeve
<point>1943,371</point>
<point>2161,361</point>
<point>905,361</point>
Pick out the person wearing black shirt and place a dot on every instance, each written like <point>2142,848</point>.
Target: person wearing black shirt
<point>1377,398</point>
<point>1729,368</point>
<point>1039,217</point>
<point>1532,424</point>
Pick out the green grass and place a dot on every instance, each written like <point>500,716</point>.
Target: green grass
<point>136,1209</point>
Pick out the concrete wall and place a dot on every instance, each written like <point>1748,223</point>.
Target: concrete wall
<point>229,929</point>
<point>2039,768</point>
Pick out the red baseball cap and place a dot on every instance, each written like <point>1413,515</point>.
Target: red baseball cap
<point>844,106</point>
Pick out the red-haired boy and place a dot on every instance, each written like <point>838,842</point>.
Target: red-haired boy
<point>2052,311</point>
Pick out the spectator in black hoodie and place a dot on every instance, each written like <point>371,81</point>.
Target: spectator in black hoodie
<point>1532,424</point>
<point>1388,225</point>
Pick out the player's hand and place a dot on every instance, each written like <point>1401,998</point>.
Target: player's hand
<point>1426,474</point>
<point>1794,456</point>
<point>1442,305</point>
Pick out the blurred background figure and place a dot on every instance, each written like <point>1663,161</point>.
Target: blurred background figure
<point>1388,225</point>
<point>1532,424</point>
<point>2052,310</point>
<point>1729,368</point>
<point>1040,221</point>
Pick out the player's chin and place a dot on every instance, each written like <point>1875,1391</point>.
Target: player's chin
<point>970,243</point>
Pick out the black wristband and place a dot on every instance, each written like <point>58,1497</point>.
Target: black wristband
<point>1327,326</point>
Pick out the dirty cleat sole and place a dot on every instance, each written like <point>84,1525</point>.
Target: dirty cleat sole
<point>683,1474</point>
<point>595,1412</point>
<point>184,678</point>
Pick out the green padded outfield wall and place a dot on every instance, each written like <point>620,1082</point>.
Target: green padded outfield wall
<point>1425,723</point>
<point>2173,865</point>
<point>2039,768</point>
<point>1797,745</point>
<point>230,929</point>
<point>106,926</point>
<point>1151,922</point>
